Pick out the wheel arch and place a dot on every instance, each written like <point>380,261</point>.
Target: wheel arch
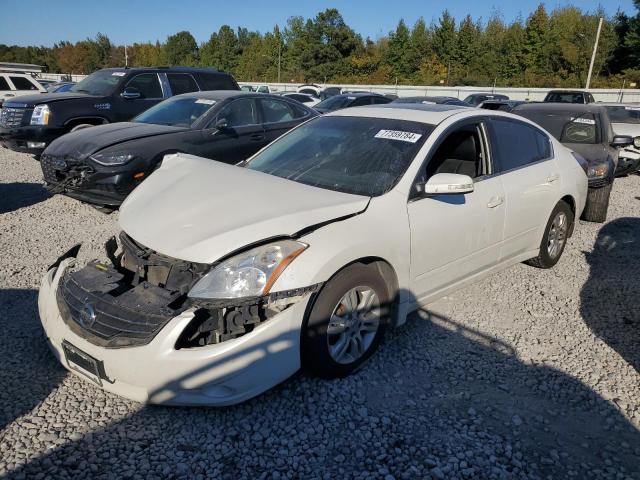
<point>91,120</point>
<point>569,200</point>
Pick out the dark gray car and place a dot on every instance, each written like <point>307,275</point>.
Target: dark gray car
<point>585,129</point>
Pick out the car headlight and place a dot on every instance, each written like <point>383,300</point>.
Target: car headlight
<point>598,171</point>
<point>40,115</point>
<point>248,274</point>
<point>112,158</point>
<point>636,142</point>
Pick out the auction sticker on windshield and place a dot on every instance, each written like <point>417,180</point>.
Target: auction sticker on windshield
<point>118,74</point>
<point>399,135</point>
<point>586,121</point>
<point>206,101</point>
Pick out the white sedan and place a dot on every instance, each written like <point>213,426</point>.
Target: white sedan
<point>228,279</point>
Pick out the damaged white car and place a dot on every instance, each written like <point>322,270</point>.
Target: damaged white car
<point>227,279</point>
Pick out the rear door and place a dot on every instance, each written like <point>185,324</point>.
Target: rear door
<point>279,116</point>
<point>531,180</point>
<point>243,136</point>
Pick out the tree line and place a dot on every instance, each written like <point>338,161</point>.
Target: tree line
<point>547,49</point>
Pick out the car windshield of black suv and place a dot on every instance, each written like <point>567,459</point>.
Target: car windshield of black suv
<point>565,126</point>
<point>358,155</point>
<point>100,83</point>
<point>176,112</point>
<point>622,114</point>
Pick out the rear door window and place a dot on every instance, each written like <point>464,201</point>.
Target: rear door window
<point>358,102</point>
<point>22,83</point>
<point>517,144</point>
<point>147,84</point>
<point>182,83</point>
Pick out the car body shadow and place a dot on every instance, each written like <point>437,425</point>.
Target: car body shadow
<point>14,196</point>
<point>609,298</point>
<point>459,394</point>
<point>27,373</point>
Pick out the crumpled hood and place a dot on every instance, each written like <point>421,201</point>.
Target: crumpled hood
<point>37,99</point>
<point>84,142</point>
<point>200,210</point>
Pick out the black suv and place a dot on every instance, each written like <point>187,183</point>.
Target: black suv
<point>29,123</point>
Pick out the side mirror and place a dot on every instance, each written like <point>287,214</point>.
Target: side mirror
<point>621,141</point>
<point>221,124</point>
<point>447,184</point>
<point>130,93</point>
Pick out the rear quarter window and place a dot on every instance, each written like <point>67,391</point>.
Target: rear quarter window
<point>22,83</point>
<point>216,82</point>
<point>4,85</point>
<point>182,83</point>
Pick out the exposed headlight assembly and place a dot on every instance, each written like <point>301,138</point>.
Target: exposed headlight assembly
<point>598,171</point>
<point>112,158</point>
<point>248,274</point>
<point>40,115</point>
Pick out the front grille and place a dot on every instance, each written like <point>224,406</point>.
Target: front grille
<point>49,164</point>
<point>92,302</point>
<point>57,168</point>
<point>12,116</point>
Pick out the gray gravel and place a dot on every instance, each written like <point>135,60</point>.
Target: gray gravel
<point>528,374</point>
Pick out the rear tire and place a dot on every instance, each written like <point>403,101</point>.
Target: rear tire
<point>597,204</point>
<point>555,236</point>
<point>346,322</point>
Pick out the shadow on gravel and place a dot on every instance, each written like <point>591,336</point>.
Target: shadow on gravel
<point>28,372</point>
<point>439,400</point>
<point>14,196</point>
<point>609,298</point>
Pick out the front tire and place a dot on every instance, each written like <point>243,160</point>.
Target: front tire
<point>597,204</point>
<point>347,322</point>
<point>555,236</point>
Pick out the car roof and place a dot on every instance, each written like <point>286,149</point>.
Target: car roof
<point>431,114</point>
<point>566,91</point>
<point>220,95</point>
<point>358,94</point>
<point>619,104</point>
<point>560,107</point>
<point>166,69</point>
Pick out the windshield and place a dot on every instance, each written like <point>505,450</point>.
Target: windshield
<point>565,126</point>
<point>334,103</point>
<point>358,155</point>
<point>622,114</point>
<point>176,111</point>
<point>101,83</point>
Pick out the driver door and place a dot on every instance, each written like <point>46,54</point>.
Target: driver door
<point>456,236</point>
<point>243,136</point>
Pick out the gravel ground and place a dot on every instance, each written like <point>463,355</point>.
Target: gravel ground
<point>527,374</point>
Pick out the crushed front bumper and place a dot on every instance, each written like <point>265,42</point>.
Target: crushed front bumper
<point>218,374</point>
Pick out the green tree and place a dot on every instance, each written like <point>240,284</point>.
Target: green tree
<point>399,52</point>
<point>181,49</point>
<point>445,41</point>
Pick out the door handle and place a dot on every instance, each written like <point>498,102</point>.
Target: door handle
<point>257,136</point>
<point>553,177</point>
<point>495,201</point>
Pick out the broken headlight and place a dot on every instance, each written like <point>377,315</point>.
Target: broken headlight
<point>111,158</point>
<point>248,274</point>
<point>598,171</point>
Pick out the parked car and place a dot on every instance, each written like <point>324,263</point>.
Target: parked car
<point>304,98</point>
<point>341,101</point>
<point>585,129</point>
<point>625,120</point>
<point>310,89</point>
<point>59,87</point>
<point>102,165</point>
<point>476,99</point>
<point>111,95</point>
<point>18,85</point>
<point>257,88</point>
<point>329,92</point>
<point>569,96</point>
<point>306,253</point>
<point>427,100</point>
<point>45,83</point>
<point>502,105</point>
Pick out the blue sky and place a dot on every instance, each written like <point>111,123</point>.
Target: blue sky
<point>33,22</point>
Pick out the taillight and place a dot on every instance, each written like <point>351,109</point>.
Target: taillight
<point>580,159</point>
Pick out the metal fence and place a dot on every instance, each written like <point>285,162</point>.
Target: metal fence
<point>532,94</point>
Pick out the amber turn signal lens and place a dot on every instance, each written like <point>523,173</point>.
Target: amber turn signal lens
<point>138,175</point>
